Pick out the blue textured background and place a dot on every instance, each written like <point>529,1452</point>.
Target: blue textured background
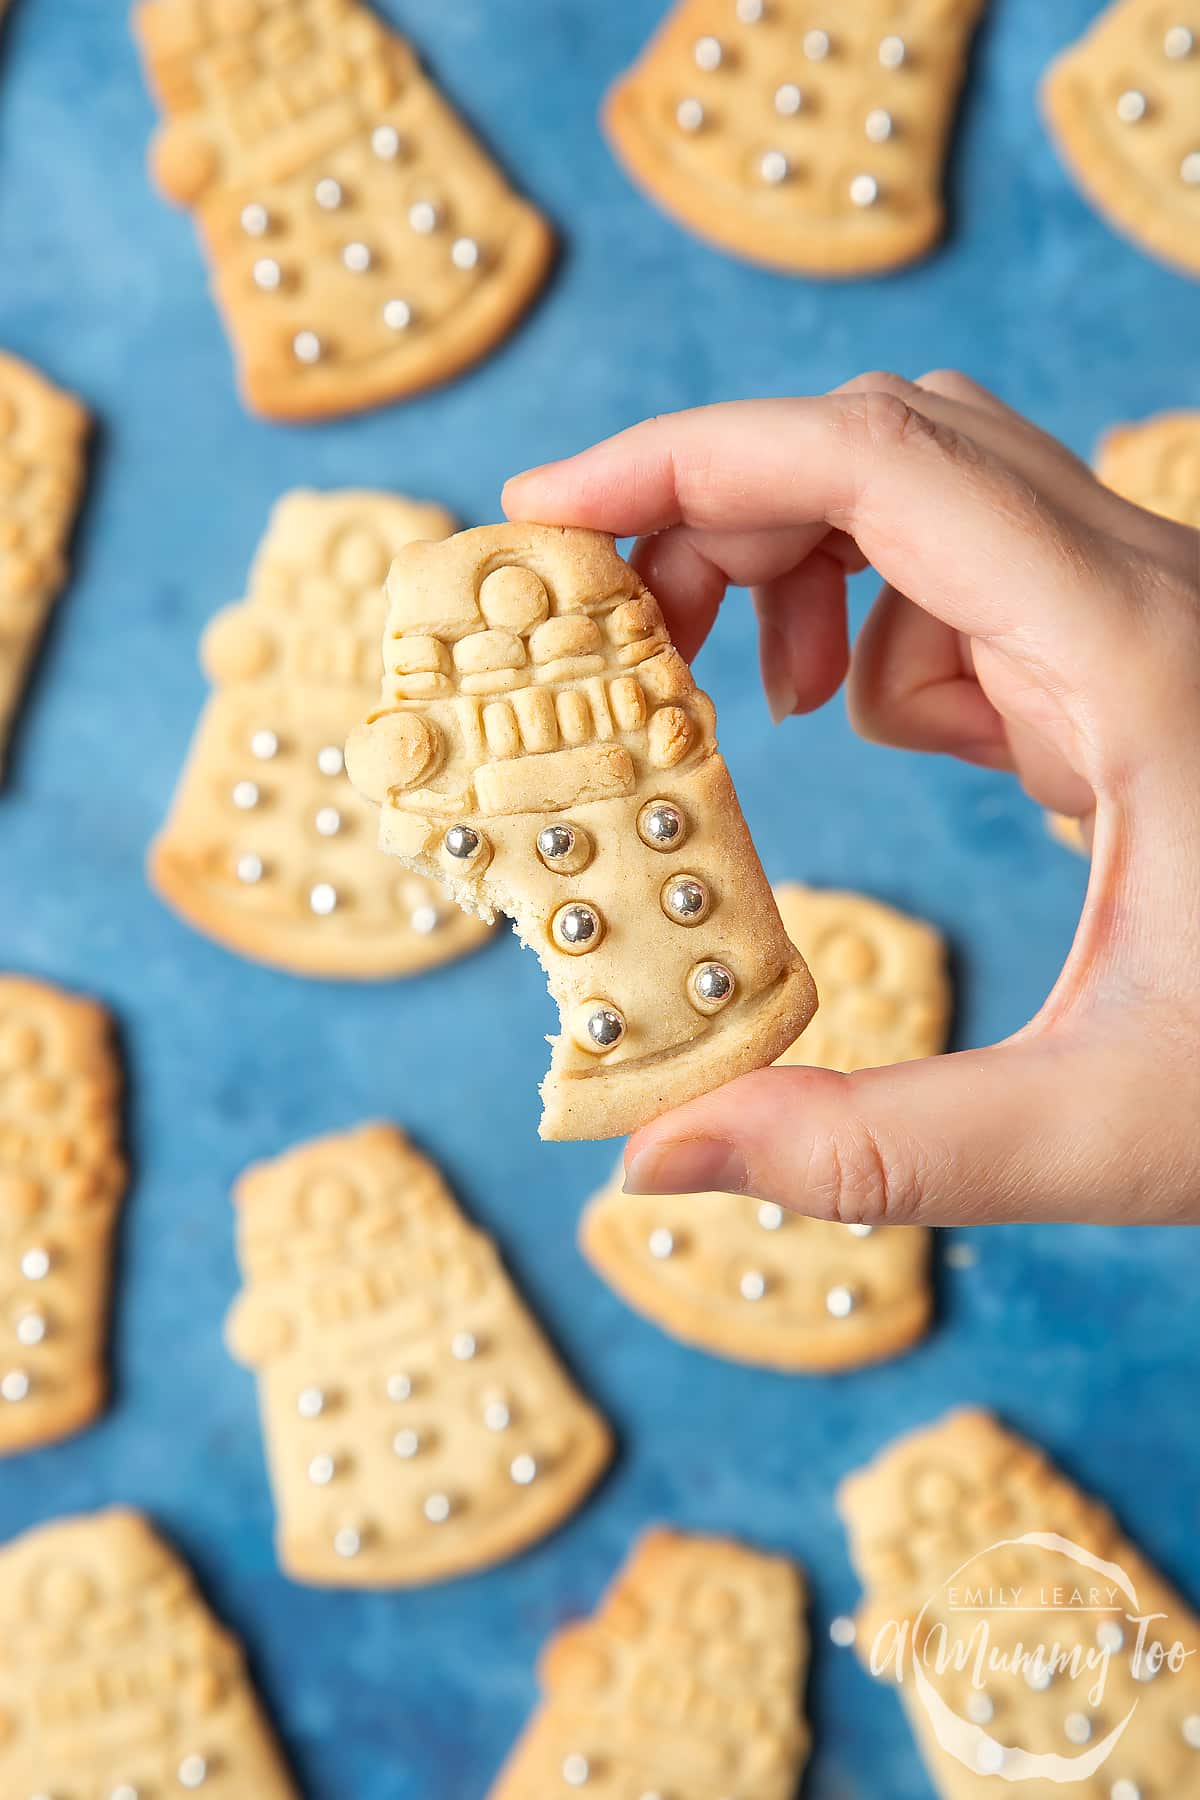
<point>1085,1338</point>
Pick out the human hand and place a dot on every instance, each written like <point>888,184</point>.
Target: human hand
<point>1029,620</point>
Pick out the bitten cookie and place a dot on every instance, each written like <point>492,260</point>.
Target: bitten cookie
<point>62,1177</point>
<point>805,136</point>
<point>542,748</point>
<point>361,242</point>
<point>42,437</point>
<point>687,1681</point>
<point>963,1533</point>
<point>418,1425</point>
<point>116,1682</point>
<point>749,1280</point>
<point>268,849</point>
<point>1124,106</point>
<point>1156,463</point>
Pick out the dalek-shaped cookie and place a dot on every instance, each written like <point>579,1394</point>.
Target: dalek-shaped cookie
<point>62,1176</point>
<point>804,134</point>
<point>268,848</point>
<point>686,1681</point>
<point>42,436</point>
<point>116,1683</point>
<point>543,749</point>
<point>362,243</point>
<point>1123,104</point>
<point>418,1425</point>
<point>965,1535</point>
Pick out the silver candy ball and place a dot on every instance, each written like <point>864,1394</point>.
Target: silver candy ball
<point>685,900</point>
<point>192,1772</point>
<point>577,927</point>
<point>660,825</point>
<point>605,1027</point>
<point>555,842</point>
<point>713,983</point>
<point>462,842</point>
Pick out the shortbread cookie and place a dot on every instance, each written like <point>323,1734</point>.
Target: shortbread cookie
<point>804,134</point>
<point>268,848</point>
<point>944,1528</point>
<point>542,748</point>
<point>418,1425</point>
<point>754,1282</point>
<point>362,243</point>
<point>42,436</point>
<point>686,1682</point>
<point>62,1177</point>
<point>1157,463</point>
<point>882,977</point>
<point>1124,105</point>
<point>116,1682</point>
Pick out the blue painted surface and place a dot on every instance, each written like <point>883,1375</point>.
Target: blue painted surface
<point>1087,1339</point>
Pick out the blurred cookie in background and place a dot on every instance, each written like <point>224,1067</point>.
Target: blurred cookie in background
<point>117,1681</point>
<point>749,1280</point>
<point>43,431</point>
<point>1156,463</point>
<point>62,1178</point>
<point>688,1680</point>
<point>809,139</point>
<point>268,848</point>
<point>362,244</point>
<point>1124,106</point>
<point>418,1425</point>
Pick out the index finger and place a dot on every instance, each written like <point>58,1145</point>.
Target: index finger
<point>938,517</point>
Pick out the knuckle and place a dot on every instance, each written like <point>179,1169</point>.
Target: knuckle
<point>952,384</point>
<point>883,381</point>
<point>855,1179</point>
<point>884,421</point>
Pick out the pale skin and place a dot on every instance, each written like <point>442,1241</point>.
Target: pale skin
<point>1029,621</point>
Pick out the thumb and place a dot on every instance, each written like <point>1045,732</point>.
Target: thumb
<point>1009,1133</point>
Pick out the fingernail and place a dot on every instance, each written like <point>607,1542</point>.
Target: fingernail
<point>514,480</point>
<point>695,1166</point>
<point>777,679</point>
